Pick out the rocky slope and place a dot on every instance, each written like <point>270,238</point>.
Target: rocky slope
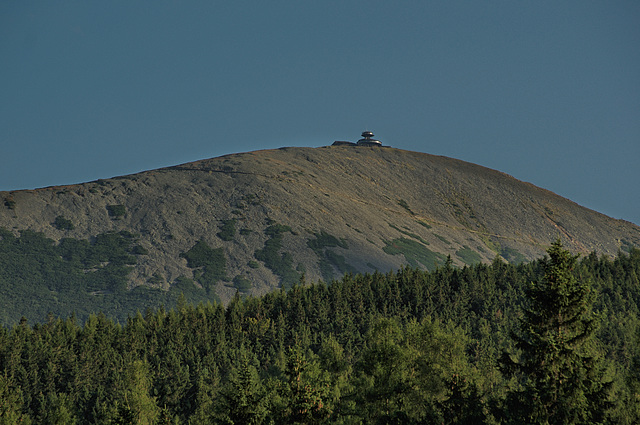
<point>323,211</point>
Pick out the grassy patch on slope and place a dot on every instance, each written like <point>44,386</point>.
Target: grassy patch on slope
<point>209,264</point>
<point>77,276</point>
<point>415,253</point>
<point>281,264</point>
<point>328,259</point>
<point>468,255</point>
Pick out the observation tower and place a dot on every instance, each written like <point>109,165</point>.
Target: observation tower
<point>367,140</point>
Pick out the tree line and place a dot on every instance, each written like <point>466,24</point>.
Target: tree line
<point>551,341</point>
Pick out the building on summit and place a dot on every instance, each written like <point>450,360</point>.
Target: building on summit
<point>365,141</point>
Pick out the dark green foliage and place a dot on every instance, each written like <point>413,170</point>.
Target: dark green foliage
<point>116,211</point>
<point>252,199</point>
<point>328,259</point>
<point>338,261</point>
<point>411,235</point>
<point>210,264</point>
<point>410,373</point>
<point>11,403</point>
<point>186,289</point>
<point>245,398</point>
<point>414,252</point>
<point>38,277</point>
<point>305,393</point>
<point>10,203</point>
<point>512,255</point>
<point>276,229</point>
<point>468,255</point>
<point>408,347</point>
<point>155,279</point>
<point>323,240</point>
<point>626,246</point>
<point>227,230</point>
<point>442,238</point>
<point>62,223</point>
<point>280,264</point>
<point>139,250</point>
<point>242,283</point>
<point>404,205</point>
<point>422,223</point>
<point>561,370</point>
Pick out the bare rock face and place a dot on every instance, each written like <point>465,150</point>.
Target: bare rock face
<point>281,214</point>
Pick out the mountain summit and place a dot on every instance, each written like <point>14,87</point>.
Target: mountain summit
<point>261,220</point>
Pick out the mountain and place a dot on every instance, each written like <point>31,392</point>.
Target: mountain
<point>260,220</point>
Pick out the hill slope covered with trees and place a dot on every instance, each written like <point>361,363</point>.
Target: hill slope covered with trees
<point>452,345</point>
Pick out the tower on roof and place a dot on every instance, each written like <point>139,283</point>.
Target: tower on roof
<point>367,140</point>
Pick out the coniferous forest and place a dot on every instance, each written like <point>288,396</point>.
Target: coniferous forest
<point>551,341</point>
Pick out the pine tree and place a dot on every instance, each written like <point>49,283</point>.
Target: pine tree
<point>245,398</point>
<point>11,403</point>
<point>560,367</point>
<point>137,403</point>
<point>303,395</point>
<point>58,409</point>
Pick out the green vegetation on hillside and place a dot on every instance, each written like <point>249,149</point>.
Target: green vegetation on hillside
<point>408,347</point>
<point>62,223</point>
<point>404,205</point>
<point>468,255</point>
<point>411,235</point>
<point>209,264</point>
<point>39,277</point>
<point>422,223</point>
<point>328,259</point>
<point>227,230</point>
<point>281,264</point>
<point>512,255</point>
<point>9,202</point>
<point>242,283</point>
<point>442,238</point>
<point>416,253</point>
<point>116,211</point>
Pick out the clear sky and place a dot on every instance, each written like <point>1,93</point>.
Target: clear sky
<point>546,91</point>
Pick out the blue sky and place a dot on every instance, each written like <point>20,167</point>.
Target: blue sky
<point>546,91</point>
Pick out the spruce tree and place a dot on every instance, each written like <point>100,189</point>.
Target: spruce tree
<point>245,399</point>
<point>560,367</point>
<point>305,395</point>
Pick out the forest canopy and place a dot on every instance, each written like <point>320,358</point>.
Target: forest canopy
<point>411,346</point>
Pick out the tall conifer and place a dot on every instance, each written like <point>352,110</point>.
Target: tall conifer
<point>559,366</point>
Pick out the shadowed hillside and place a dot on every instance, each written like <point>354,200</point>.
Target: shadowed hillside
<point>261,220</point>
